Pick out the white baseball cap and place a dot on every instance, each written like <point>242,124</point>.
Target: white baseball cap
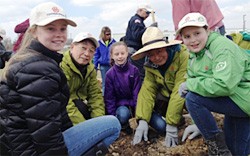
<point>192,19</point>
<point>2,33</point>
<point>46,13</point>
<point>85,35</point>
<point>146,7</point>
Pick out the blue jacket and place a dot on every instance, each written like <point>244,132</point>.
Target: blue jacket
<point>122,87</point>
<point>102,53</point>
<point>134,32</point>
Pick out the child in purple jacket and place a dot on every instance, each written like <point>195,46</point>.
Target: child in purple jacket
<point>122,85</point>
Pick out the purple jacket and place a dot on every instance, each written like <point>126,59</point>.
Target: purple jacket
<point>122,85</point>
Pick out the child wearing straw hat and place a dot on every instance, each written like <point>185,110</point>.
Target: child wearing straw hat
<point>159,104</point>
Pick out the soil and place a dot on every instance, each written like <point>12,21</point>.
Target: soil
<point>155,146</point>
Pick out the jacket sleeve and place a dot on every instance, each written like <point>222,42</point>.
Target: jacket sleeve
<point>176,103</point>
<point>42,106</point>
<point>138,29</point>
<point>96,57</point>
<point>109,95</point>
<point>95,99</point>
<point>136,87</point>
<point>146,97</point>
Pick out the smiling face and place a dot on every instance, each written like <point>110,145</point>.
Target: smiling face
<point>194,38</point>
<point>120,54</point>
<point>83,51</point>
<point>158,56</point>
<point>53,36</point>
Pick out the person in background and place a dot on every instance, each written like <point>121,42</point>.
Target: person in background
<point>101,57</point>
<point>4,55</point>
<point>86,99</point>
<point>20,29</point>
<point>159,104</point>
<point>242,39</point>
<point>122,86</point>
<point>134,32</point>
<point>207,8</point>
<point>218,81</point>
<point>34,94</point>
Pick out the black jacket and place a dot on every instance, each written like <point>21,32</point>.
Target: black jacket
<point>134,32</point>
<point>33,99</point>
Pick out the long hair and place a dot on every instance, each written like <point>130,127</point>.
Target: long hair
<point>21,52</point>
<point>103,31</point>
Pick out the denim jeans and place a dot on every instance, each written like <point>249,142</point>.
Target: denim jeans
<point>236,122</point>
<point>84,135</point>
<point>123,114</point>
<point>158,123</point>
<point>104,69</point>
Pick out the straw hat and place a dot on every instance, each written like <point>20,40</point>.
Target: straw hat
<point>152,38</point>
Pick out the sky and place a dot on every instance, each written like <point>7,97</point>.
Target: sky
<point>92,15</point>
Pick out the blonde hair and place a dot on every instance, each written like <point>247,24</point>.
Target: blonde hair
<point>112,48</point>
<point>28,37</point>
<point>103,31</point>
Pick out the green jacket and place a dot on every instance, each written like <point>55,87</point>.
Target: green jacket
<point>221,69</point>
<point>85,88</point>
<point>168,86</point>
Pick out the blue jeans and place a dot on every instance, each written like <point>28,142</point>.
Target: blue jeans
<point>158,123</point>
<point>123,114</point>
<point>236,122</point>
<point>84,135</point>
<point>104,69</point>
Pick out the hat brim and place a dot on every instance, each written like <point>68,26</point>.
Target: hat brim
<point>90,38</point>
<point>189,25</point>
<point>52,19</point>
<point>143,51</point>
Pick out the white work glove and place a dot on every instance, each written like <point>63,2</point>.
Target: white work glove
<point>183,90</point>
<point>155,24</point>
<point>141,130</point>
<point>190,129</point>
<point>171,138</point>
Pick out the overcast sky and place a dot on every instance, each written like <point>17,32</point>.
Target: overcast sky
<point>92,15</point>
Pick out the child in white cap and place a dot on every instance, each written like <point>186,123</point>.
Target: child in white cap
<point>218,81</point>
<point>34,93</point>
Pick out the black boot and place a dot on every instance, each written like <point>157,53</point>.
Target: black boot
<point>99,149</point>
<point>217,146</point>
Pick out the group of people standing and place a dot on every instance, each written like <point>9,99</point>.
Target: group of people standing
<point>52,104</point>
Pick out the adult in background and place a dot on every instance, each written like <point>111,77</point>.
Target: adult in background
<point>34,94</point>
<point>86,99</point>
<point>4,55</point>
<point>218,81</point>
<point>134,32</point>
<point>102,54</point>
<point>159,104</point>
<point>207,8</point>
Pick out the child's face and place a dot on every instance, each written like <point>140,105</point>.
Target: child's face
<point>194,38</point>
<point>119,54</point>
<point>158,56</point>
<point>53,36</point>
<point>82,52</point>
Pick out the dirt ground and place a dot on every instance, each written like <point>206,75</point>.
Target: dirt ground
<point>155,145</point>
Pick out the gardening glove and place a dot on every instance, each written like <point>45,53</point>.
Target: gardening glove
<point>142,129</point>
<point>171,138</point>
<point>183,90</point>
<point>155,24</point>
<point>190,129</point>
